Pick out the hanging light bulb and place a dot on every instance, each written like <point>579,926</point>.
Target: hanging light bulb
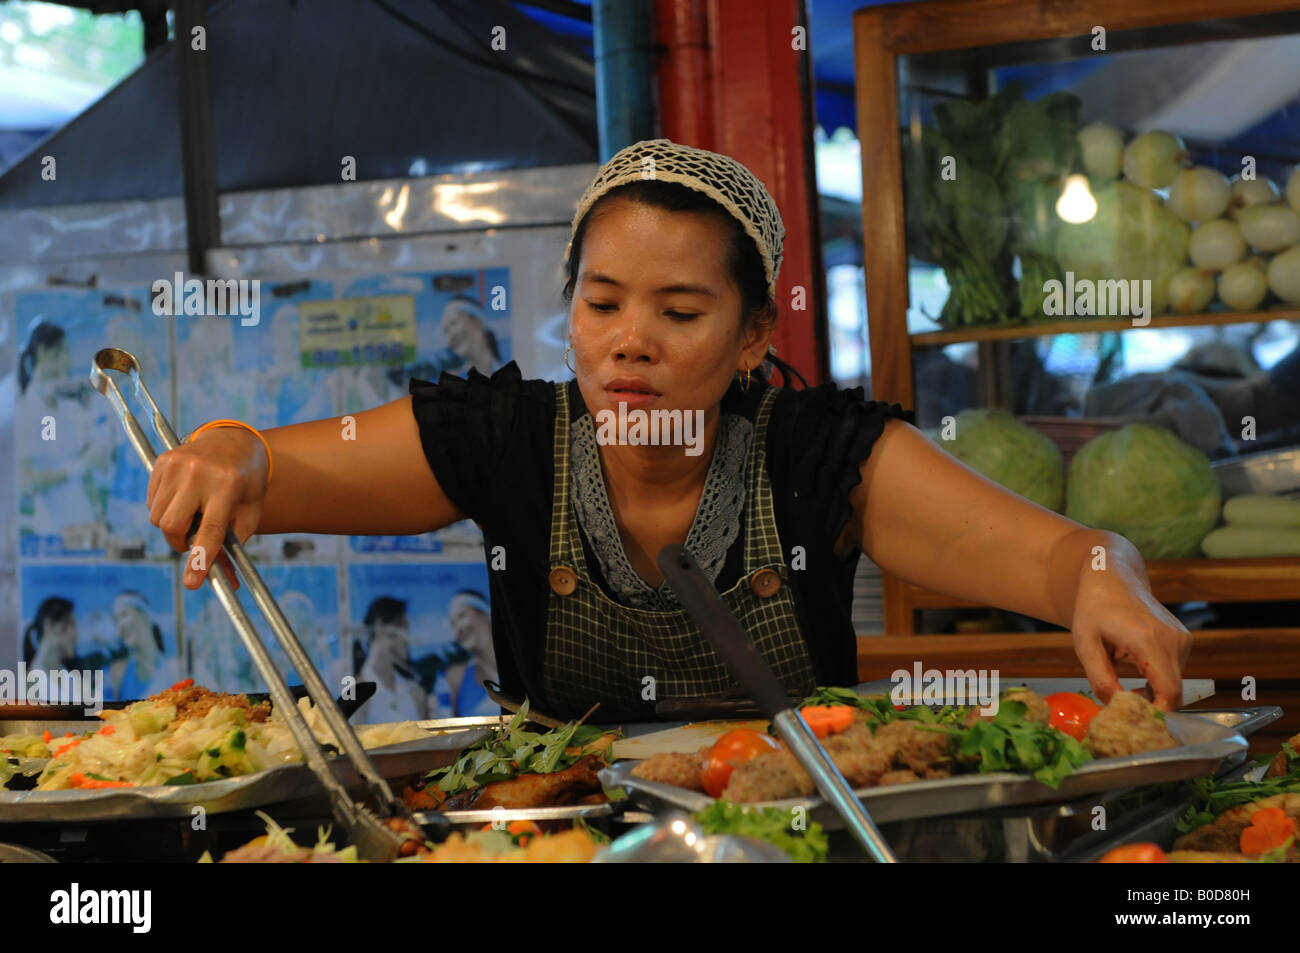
<point>1076,204</point>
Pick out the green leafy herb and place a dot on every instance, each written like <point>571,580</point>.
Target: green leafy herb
<point>238,739</point>
<point>186,777</point>
<point>511,751</point>
<point>1215,797</point>
<point>768,824</point>
<point>214,752</point>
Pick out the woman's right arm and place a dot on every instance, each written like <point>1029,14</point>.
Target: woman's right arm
<point>370,478</point>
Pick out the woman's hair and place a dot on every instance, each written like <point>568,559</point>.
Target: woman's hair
<point>385,609</point>
<point>473,308</point>
<point>141,603</point>
<point>744,263</point>
<point>53,609</point>
<point>42,335</point>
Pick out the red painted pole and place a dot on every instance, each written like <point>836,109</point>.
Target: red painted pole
<point>754,103</point>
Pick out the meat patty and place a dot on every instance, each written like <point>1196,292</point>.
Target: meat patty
<point>1128,725</point>
<point>769,777</point>
<point>859,755</point>
<point>1036,707</point>
<point>902,776</point>
<point>670,767</point>
<point>1224,832</point>
<point>926,751</point>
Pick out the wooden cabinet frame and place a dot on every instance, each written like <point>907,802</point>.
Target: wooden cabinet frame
<point>883,34</point>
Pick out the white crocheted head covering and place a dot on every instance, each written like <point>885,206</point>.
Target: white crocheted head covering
<point>720,177</point>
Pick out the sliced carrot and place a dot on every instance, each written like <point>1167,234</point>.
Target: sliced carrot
<point>828,719</point>
<point>48,736</point>
<point>68,747</point>
<point>107,730</point>
<point>1269,828</point>
<point>79,780</point>
<point>183,683</point>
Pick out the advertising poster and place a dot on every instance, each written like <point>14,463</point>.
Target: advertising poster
<point>119,618</point>
<point>422,632</point>
<point>254,372</point>
<point>462,320</point>
<point>309,598</point>
<point>81,486</point>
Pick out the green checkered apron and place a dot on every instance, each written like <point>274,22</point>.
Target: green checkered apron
<point>627,658</point>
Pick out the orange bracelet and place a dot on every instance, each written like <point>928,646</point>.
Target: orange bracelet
<point>270,464</point>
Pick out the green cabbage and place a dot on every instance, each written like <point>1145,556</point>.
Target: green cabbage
<point>1010,453</point>
<point>1147,485</point>
<point>1132,236</point>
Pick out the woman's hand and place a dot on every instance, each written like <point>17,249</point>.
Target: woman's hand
<point>220,474</point>
<point>1117,618</point>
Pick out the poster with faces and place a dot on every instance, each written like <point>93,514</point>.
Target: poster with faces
<point>81,486</point>
<point>309,598</point>
<point>423,633</point>
<point>116,618</point>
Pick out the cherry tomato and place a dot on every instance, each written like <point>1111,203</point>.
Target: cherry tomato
<point>1135,854</point>
<point>731,749</point>
<point>1071,713</point>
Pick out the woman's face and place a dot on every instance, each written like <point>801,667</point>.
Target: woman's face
<point>654,302</point>
<point>462,330</point>
<point>62,633</point>
<point>52,362</point>
<point>132,624</point>
<point>394,633</point>
<point>469,625</point>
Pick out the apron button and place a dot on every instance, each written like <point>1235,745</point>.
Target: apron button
<point>765,583</point>
<point>563,580</point>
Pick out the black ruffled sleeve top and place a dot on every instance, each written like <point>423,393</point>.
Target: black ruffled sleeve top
<point>490,444</point>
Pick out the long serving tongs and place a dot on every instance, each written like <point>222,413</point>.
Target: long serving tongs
<point>729,639</point>
<point>364,828</point>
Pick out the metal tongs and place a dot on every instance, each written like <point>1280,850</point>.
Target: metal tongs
<point>732,643</point>
<point>364,827</point>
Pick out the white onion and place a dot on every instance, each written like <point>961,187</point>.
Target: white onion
<point>1153,159</point>
<point>1102,150</point>
<point>1199,194</point>
<point>1284,275</point>
<point>1216,245</point>
<point>1269,227</point>
<point>1191,290</point>
<point>1246,193</point>
<point>1293,189</point>
<point>1243,286</point>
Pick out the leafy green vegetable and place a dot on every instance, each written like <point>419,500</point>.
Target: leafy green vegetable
<point>1149,486</point>
<point>1011,453</point>
<point>1010,742</point>
<point>511,751</point>
<point>1215,797</point>
<point>1132,237</point>
<point>768,824</point>
<point>186,777</point>
<point>238,739</point>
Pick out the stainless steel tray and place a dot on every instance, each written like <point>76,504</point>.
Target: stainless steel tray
<point>1270,471</point>
<point>284,782</point>
<point>507,815</point>
<point>1204,746</point>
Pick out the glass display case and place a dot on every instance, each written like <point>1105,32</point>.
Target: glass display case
<point>1089,215</point>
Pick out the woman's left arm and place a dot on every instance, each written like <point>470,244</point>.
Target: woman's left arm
<point>923,515</point>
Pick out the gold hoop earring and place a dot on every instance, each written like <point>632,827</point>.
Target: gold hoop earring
<point>567,351</point>
<point>745,383</point>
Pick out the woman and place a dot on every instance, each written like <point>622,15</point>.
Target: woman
<point>385,658</point>
<point>146,668</point>
<point>464,326</point>
<point>671,282</point>
<point>50,639</point>
<point>471,624</point>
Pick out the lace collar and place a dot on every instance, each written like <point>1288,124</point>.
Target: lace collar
<point>712,533</point>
